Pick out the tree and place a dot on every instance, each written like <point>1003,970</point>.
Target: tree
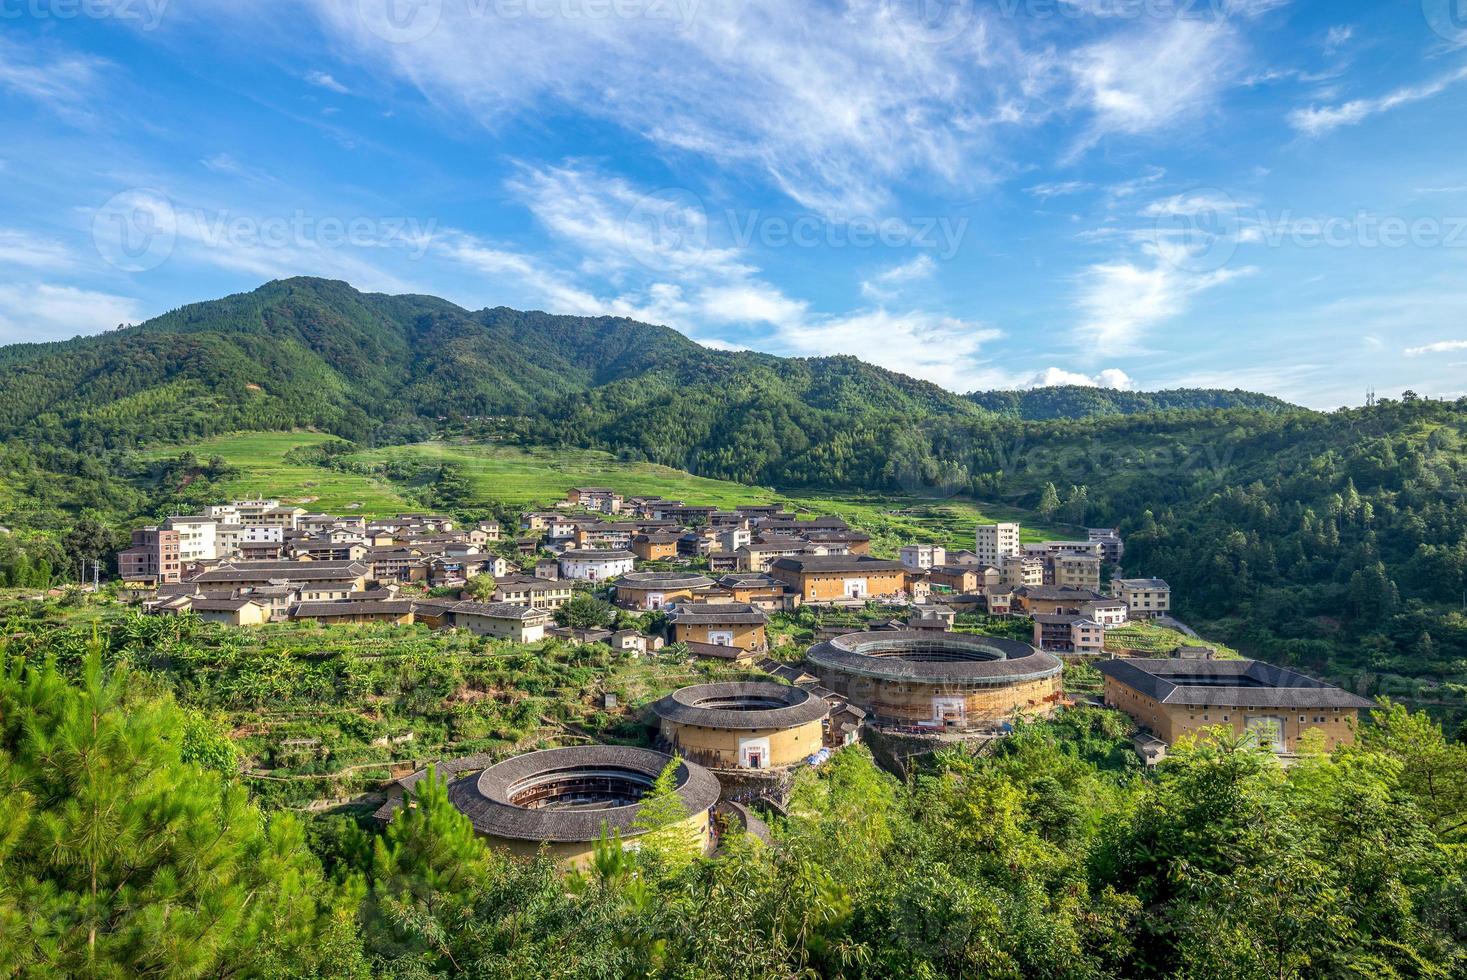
<point>1049,502</point>
<point>117,857</point>
<point>584,612</point>
<point>662,820</point>
<point>482,587</point>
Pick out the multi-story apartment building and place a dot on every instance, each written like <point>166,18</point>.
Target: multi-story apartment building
<point>994,542</point>
<point>1022,570</point>
<point>197,537</point>
<point>1112,546</point>
<point>1144,596</point>
<point>153,558</point>
<point>1075,571</point>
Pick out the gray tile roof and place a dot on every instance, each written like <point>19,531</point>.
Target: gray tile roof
<point>1227,683</point>
<point>741,705</point>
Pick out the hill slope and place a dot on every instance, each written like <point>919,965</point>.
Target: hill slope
<point>1078,402</point>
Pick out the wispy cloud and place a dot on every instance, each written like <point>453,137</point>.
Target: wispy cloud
<point>65,83</point>
<point>324,80</point>
<point>38,311</point>
<point>1318,120</point>
<point>1438,347</point>
<point>889,282</point>
<point>23,248</point>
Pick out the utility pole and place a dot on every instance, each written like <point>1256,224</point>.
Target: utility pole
<point>96,575</point>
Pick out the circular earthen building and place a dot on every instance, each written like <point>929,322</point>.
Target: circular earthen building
<point>952,680</point>
<point>754,725</point>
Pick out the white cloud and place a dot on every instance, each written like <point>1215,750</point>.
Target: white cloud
<point>1337,37</point>
<point>1058,189</point>
<point>1318,120</point>
<point>36,312</point>
<point>324,80</point>
<point>1438,347</point>
<point>1120,301</point>
<point>1140,82</point>
<point>935,348</point>
<point>67,84</point>
<point>23,248</point>
<point>889,282</point>
<point>1052,376</point>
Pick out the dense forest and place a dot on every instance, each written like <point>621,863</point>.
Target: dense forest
<point>1334,541</point>
<point>129,848</point>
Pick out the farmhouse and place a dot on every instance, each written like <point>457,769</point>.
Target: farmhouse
<point>731,630</point>
<point>315,580</point>
<point>758,590</point>
<point>1274,705</point>
<point>759,725</point>
<point>1068,633</point>
<point>230,612</point>
<point>533,591</point>
<point>1144,596</point>
<point>566,800</point>
<point>155,557</point>
<point>398,611</point>
<point>1046,600</point>
<point>833,577</point>
<point>655,545</point>
<point>521,624</point>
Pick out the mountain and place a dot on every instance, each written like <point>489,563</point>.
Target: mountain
<point>1079,402</point>
<point>311,352</point>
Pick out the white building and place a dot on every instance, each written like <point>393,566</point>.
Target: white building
<point>921,557</point>
<point>588,565</point>
<point>994,542</point>
<point>196,537</point>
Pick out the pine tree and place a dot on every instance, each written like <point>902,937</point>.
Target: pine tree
<point>662,820</point>
<point>1049,502</point>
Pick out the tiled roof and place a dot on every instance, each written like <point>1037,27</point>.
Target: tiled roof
<point>706,705</point>
<point>1242,683</point>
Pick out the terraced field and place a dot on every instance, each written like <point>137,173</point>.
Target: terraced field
<point>523,478</point>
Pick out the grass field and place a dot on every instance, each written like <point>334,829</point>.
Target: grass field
<point>260,457</point>
<point>523,478</point>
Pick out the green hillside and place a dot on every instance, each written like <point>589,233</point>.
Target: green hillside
<point>1078,402</point>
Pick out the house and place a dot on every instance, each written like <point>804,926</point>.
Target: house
<point>595,565</point>
<point>998,601</point>
<point>653,590</point>
<point>1045,600</point>
<point>1274,705</point>
<point>197,537</point>
<point>230,612</point>
<point>533,591</point>
<point>604,536</point>
<point>398,611</point>
<point>920,557</point>
<point>1069,633</point>
<point>831,578</point>
<point>655,546</point>
<point>1022,570</point>
<point>484,533</point>
<point>758,556</point>
<point>1112,546</point>
<point>992,543</point>
<point>931,617</point>
<point>502,620</point>
<point>758,590</point>
<point>1144,596</point>
<point>963,578</point>
<point>731,630</point>
<point>316,580</point>
<point>1106,612</point>
<point>1075,571</point>
<point>154,558</point>
<point>595,498</point>
<point>632,641</point>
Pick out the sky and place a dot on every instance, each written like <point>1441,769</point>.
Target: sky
<point>1259,194</point>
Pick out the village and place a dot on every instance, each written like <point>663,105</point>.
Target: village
<point>891,667</point>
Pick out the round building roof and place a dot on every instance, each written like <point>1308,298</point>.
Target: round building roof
<point>757,705</point>
<point>568,795</point>
<point>664,580</point>
<point>935,658</point>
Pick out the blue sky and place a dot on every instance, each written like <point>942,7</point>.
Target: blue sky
<point>1137,193</point>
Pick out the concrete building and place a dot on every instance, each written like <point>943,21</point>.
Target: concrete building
<point>1075,571</point>
<point>742,725</point>
<point>992,543</point>
<point>1275,705</point>
<point>1022,570</point>
<point>566,800</point>
<point>1112,546</point>
<point>939,681</point>
<point>1144,597</point>
<point>920,557</point>
<point>1069,633</point>
<point>197,537</point>
<point>655,545</point>
<point>154,558</point>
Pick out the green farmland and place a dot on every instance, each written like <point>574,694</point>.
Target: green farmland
<point>520,478</point>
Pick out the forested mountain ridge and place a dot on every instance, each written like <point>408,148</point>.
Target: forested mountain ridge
<point>1079,401</point>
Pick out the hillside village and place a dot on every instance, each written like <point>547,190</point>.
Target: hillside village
<point>713,580</point>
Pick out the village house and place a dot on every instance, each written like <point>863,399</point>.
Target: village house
<point>1069,633</point>
<point>595,498</point>
<point>655,546</point>
<point>315,580</point>
<point>197,537</point>
<point>1022,570</point>
<point>398,611</point>
<point>1274,705</point>
<point>920,557</point>
<point>502,620</point>
<point>1112,546</point>
<point>1075,571</point>
<point>1046,600</point>
<point>833,578</point>
<point>153,559</point>
<point>758,590</point>
<point>964,578</point>
<point>1106,612</point>
<point>730,630</point>
<point>1146,597</point>
<point>230,612</point>
<point>537,593</point>
<point>992,543</point>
